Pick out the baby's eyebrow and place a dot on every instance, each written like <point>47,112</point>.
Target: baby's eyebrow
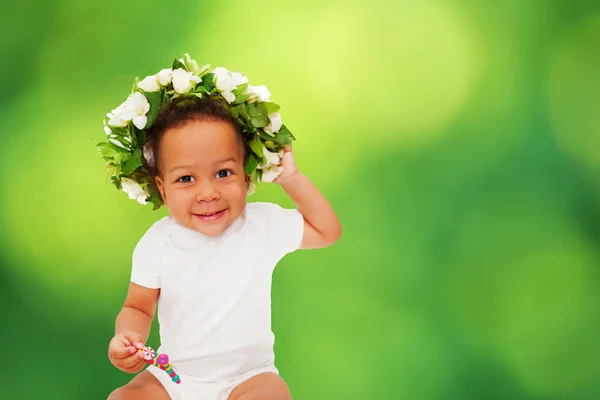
<point>223,161</point>
<point>180,167</point>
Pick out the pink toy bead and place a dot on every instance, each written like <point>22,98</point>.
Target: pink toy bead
<point>163,359</point>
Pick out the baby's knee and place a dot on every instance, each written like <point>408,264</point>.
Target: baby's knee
<point>142,387</point>
<point>118,394</point>
<point>124,393</point>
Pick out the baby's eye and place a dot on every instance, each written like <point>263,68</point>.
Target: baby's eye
<point>186,179</point>
<point>224,173</point>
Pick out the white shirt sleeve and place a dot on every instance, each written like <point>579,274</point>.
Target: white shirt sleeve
<point>145,269</point>
<point>285,228</point>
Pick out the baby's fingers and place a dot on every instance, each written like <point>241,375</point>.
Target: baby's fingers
<point>132,363</point>
<point>118,349</point>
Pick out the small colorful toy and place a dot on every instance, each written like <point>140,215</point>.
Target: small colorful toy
<point>161,361</point>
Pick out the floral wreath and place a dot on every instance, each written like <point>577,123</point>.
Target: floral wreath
<point>126,126</point>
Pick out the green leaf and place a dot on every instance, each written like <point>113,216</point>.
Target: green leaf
<point>259,121</point>
<point>258,114</point>
<point>120,130</point>
<point>256,108</point>
<point>123,141</point>
<point>117,163</point>
<point>241,99</point>
<point>115,181</point>
<point>141,137</point>
<point>253,177</point>
<point>132,135</point>
<point>191,64</point>
<point>240,89</point>
<point>108,150</point>
<point>243,126</point>
<point>284,136</point>
<point>177,64</point>
<point>256,146</point>
<point>251,164</point>
<point>109,174</point>
<point>133,162</point>
<point>135,86</point>
<point>154,98</point>
<point>155,197</point>
<point>271,107</point>
<point>241,109</point>
<point>201,88</point>
<point>203,70</point>
<point>208,83</point>
<point>259,174</point>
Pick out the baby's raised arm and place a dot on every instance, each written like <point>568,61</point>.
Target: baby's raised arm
<point>322,227</point>
<point>133,328</point>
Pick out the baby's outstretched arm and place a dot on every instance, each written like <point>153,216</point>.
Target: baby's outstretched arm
<point>133,328</point>
<point>322,228</point>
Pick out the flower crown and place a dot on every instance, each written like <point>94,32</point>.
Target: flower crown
<point>126,126</point>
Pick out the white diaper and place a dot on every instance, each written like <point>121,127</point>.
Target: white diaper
<point>195,388</point>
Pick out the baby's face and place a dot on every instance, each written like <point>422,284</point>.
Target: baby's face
<point>202,179</point>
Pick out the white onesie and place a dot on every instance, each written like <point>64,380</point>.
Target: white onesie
<point>214,308</point>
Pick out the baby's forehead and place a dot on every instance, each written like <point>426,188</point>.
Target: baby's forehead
<point>200,150</point>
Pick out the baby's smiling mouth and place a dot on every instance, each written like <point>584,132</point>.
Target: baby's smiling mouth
<point>211,213</point>
<point>211,216</point>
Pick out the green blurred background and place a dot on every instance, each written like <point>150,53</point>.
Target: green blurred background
<point>459,142</point>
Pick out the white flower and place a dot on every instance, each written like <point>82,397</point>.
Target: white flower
<point>115,117</point>
<point>251,189</point>
<point>182,80</point>
<point>164,76</point>
<point>229,96</point>
<point>149,84</point>
<point>133,109</point>
<point>271,173</point>
<point>275,124</point>
<point>134,190</point>
<point>107,130</point>
<point>238,78</point>
<point>137,107</point>
<point>260,93</point>
<point>272,158</point>
<point>226,81</point>
<point>222,79</point>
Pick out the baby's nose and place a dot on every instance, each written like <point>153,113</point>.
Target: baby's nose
<point>206,192</point>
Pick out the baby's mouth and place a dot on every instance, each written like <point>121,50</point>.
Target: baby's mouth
<point>211,216</point>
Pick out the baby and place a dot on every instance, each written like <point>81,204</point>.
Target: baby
<point>208,265</point>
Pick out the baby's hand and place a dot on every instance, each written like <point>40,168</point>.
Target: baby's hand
<point>123,352</point>
<point>289,165</point>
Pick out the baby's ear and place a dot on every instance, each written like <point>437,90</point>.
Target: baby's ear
<point>161,188</point>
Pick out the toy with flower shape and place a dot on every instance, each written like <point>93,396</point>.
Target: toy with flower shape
<point>126,126</point>
<point>161,361</point>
